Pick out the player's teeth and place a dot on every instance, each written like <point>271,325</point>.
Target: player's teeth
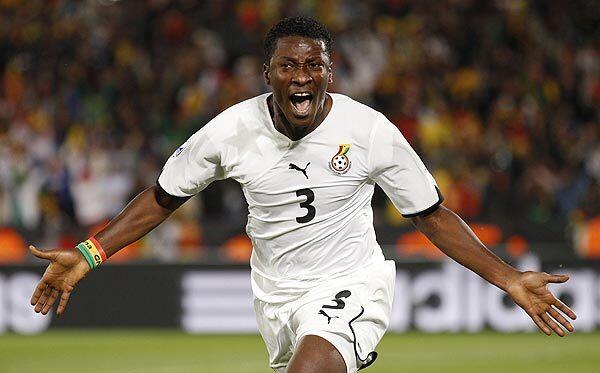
<point>301,101</point>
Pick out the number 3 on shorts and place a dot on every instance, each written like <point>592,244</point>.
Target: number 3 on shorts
<point>339,303</point>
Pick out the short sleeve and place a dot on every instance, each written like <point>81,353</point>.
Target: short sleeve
<point>399,171</point>
<point>193,166</point>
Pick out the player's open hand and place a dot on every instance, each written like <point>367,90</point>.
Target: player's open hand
<point>66,269</point>
<point>529,290</point>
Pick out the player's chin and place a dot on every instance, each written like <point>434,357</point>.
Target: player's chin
<point>304,121</point>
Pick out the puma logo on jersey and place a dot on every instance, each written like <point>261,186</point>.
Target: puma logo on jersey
<point>321,312</point>
<point>303,170</point>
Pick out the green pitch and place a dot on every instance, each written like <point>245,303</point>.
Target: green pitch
<point>171,351</point>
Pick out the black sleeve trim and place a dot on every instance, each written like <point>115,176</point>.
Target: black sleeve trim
<point>166,200</point>
<point>162,190</point>
<point>430,209</point>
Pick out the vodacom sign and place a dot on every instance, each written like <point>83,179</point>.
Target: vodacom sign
<point>439,298</point>
<point>16,314</point>
<point>452,299</point>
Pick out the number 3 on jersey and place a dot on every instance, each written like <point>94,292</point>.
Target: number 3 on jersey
<point>310,198</point>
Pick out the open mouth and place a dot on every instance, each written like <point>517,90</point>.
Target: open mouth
<point>301,102</point>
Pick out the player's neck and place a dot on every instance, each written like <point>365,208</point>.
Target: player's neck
<point>292,132</point>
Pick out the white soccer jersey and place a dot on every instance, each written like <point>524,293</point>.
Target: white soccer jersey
<point>309,201</point>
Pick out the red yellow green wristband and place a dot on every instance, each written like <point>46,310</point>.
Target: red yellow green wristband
<point>92,252</point>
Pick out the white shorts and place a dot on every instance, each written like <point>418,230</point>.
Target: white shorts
<point>350,312</point>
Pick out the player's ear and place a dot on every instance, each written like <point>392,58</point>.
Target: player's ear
<point>330,73</point>
<point>266,73</point>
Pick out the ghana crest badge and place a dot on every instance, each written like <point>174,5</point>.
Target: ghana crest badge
<point>340,164</point>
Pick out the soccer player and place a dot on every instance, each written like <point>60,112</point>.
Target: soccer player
<point>307,161</point>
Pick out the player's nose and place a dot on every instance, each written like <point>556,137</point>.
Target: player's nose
<point>301,76</point>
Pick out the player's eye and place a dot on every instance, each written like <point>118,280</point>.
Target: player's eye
<point>286,65</point>
<point>315,65</point>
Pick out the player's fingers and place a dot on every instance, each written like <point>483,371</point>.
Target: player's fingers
<point>40,303</point>
<point>39,289</point>
<point>41,254</point>
<point>557,279</point>
<point>565,309</point>
<point>50,301</point>
<point>541,324</point>
<point>558,317</point>
<point>62,304</point>
<point>557,329</point>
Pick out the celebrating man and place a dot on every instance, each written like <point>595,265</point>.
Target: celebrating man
<point>307,161</point>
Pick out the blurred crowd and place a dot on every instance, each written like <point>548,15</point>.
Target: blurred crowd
<point>500,99</point>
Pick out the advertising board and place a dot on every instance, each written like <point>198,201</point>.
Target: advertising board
<point>429,297</point>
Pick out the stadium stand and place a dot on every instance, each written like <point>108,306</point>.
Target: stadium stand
<point>94,98</point>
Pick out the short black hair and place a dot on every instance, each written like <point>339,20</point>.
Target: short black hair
<point>297,26</point>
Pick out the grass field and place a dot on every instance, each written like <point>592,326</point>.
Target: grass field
<point>171,351</point>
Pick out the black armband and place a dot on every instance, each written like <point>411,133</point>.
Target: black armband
<point>167,200</point>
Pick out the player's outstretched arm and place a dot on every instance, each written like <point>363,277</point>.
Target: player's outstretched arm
<point>68,266</point>
<point>528,289</point>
